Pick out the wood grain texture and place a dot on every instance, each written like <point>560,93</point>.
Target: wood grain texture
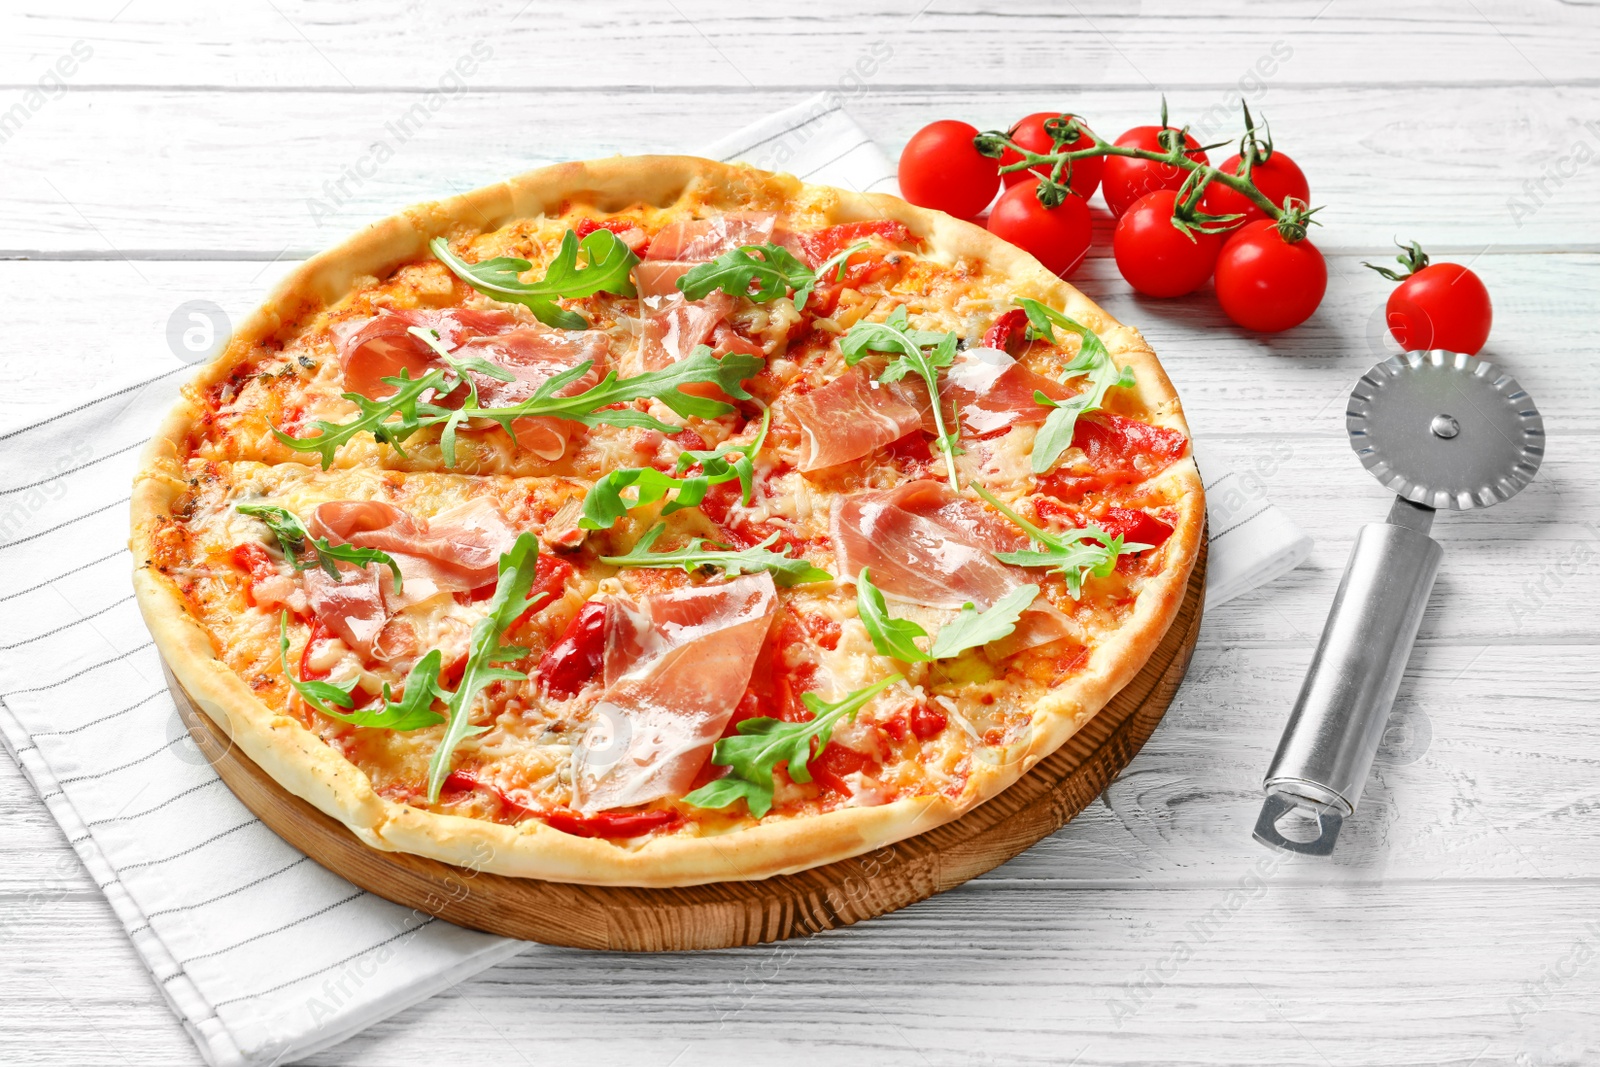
<point>731,914</point>
<point>1384,163</point>
<point>1455,926</point>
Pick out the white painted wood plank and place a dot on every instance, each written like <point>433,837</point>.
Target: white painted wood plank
<point>697,43</point>
<point>1245,969</point>
<point>255,175</point>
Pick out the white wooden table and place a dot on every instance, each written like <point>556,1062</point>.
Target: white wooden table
<point>196,148</point>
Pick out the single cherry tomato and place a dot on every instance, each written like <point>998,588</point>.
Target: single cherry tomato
<point>939,168</point>
<point>1279,178</point>
<point>1031,134</point>
<point>1125,180</point>
<point>1058,237</point>
<point>1267,283</point>
<point>1156,257</point>
<point>1442,305</point>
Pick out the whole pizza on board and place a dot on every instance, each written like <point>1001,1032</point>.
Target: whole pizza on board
<point>656,522</point>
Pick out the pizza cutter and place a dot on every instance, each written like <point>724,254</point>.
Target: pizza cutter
<point>1443,431</point>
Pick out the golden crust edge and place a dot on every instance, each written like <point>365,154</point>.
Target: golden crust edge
<point>297,759</point>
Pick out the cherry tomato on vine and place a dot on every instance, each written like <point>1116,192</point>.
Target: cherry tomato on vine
<point>1279,178</point>
<point>1156,257</point>
<point>1058,237</point>
<point>940,169</point>
<point>1031,134</point>
<point>1126,180</point>
<point>1443,305</point>
<point>1266,283</point>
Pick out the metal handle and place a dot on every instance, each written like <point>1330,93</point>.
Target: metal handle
<point>1338,720</point>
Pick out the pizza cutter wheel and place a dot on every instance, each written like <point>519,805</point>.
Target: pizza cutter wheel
<point>1444,431</point>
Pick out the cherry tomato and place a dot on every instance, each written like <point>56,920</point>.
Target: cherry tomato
<point>1058,237</point>
<point>1265,283</point>
<point>1279,178</point>
<point>1156,257</point>
<point>1126,180</point>
<point>1031,134</point>
<point>1441,306</point>
<point>940,169</point>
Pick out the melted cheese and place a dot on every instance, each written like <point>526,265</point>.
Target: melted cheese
<point>524,757</point>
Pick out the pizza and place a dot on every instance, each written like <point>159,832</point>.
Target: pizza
<point>656,522</point>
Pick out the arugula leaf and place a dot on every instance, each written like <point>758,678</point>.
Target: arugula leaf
<point>786,570</point>
<point>1055,436</point>
<point>773,274</point>
<point>840,259</point>
<point>412,712</point>
<point>895,337</point>
<point>971,628</point>
<point>771,269</point>
<point>1071,553</point>
<point>406,402</point>
<point>484,651</point>
<point>293,538</point>
<point>605,504</point>
<point>890,636</point>
<point>447,437</point>
<point>317,695</point>
<point>609,262</point>
<point>753,755</point>
<point>591,407</point>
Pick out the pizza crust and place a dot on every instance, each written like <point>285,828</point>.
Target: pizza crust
<point>302,763</point>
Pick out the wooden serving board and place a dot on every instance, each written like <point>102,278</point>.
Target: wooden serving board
<point>726,914</point>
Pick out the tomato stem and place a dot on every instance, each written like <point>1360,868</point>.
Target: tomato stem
<point>994,144</point>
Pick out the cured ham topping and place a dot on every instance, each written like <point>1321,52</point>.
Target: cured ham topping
<point>457,550</point>
<point>924,544</point>
<point>675,665</point>
<point>673,327</point>
<point>682,246</point>
<point>992,391</point>
<point>531,352</point>
<point>853,416</point>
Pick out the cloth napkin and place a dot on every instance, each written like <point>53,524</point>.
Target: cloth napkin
<point>264,956</point>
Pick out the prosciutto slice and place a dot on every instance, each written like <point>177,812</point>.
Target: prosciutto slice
<point>673,327</point>
<point>675,666</point>
<point>924,544</point>
<point>853,416</point>
<point>991,391</point>
<point>457,550</point>
<point>532,353</point>
<point>702,240</point>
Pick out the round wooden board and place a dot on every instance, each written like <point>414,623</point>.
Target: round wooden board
<point>726,914</point>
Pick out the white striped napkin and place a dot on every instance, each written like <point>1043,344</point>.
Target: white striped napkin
<point>263,955</point>
<point>1252,540</point>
